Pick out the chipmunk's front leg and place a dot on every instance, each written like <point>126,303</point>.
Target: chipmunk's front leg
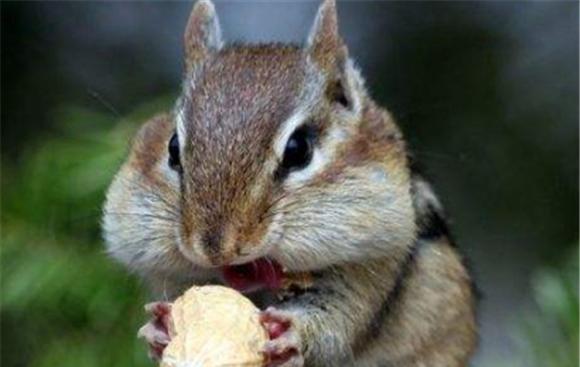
<point>321,327</point>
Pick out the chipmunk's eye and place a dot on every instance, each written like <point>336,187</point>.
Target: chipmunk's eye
<point>299,147</point>
<point>173,148</point>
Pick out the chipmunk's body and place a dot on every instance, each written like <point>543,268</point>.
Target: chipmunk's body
<point>277,152</point>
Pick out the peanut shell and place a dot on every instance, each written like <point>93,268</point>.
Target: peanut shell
<point>214,326</point>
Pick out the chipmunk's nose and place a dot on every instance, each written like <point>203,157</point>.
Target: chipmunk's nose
<point>217,246</point>
<point>211,241</point>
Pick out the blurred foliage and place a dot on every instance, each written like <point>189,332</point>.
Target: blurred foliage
<point>547,334</point>
<point>551,334</point>
<point>64,303</point>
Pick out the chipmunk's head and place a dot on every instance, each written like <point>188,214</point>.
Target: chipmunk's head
<point>276,150</point>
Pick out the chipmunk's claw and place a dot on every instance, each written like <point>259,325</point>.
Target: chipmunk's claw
<point>284,347</point>
<point>156,332</point>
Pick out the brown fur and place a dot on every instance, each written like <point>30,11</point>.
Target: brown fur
<point>150,144</point>
<point>378,139</point>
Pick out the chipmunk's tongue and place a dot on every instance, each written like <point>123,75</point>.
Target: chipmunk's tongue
<point>253,276</point>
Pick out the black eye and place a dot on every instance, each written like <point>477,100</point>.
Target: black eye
<point>298,152</point>
<point>173,148</point>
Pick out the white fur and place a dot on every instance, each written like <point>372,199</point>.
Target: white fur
<point>356,219</point>
<point>354,84</point>
<point>288,127</point>
<point>212,29</point>
<point>180,125</point>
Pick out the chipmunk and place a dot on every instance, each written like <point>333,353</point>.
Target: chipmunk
<point>275,155</point>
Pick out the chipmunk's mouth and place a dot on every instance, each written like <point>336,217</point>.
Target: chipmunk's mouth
<point>257,275</point>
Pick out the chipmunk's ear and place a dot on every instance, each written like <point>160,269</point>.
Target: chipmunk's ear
<point>327,49</point>
<point>324,43</point>
<point>203,33</point>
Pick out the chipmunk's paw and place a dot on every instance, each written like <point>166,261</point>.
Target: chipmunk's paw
<point>156,332</point>
<point>285,346</point>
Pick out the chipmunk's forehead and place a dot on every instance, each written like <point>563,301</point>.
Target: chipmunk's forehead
<point>245,88</point>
